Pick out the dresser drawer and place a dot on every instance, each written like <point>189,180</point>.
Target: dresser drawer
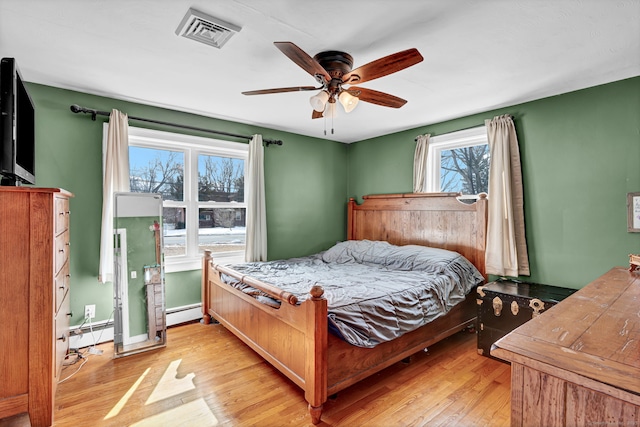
<point>61,283</point>
<point>62,335</point>
<point>61,250</point>
<point>61,212</point>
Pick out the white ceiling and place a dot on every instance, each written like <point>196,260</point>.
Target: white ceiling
<point>479,55</point>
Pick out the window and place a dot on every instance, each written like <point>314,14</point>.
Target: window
<point>202,184</point>
<point>459,162</point>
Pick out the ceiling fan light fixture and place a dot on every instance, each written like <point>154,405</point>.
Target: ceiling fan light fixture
<point>330,110</point>
<point>348,101</point>
<point>319,100</point>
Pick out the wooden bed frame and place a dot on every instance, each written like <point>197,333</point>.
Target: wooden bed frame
<point>295,338</point>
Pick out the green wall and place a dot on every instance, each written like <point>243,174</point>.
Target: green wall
<point>305,182</point>
<point>580,156</point>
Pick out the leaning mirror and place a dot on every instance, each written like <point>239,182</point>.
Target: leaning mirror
<point>139,306</point>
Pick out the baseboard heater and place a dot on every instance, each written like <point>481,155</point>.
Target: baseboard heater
<point>102,331</point>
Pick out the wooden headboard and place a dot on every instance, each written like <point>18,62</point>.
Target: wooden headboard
<point>429,219</point>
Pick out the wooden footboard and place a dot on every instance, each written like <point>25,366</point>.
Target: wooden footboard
<point>293,338</point>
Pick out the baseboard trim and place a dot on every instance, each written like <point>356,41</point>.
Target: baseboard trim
<point>103,331</point>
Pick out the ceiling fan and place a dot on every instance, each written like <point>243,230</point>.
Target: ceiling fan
<point>332,70</point>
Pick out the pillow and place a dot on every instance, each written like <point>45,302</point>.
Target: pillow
<point>408,258</point>
<point>343,252</point>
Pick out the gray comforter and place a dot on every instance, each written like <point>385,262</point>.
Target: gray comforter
<point>375,291</point>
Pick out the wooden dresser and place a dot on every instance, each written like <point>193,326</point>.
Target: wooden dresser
<point>34,299</point>
<point>579,363</point>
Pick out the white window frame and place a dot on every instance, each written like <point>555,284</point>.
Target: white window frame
<point>192,146</point>
<point>451,141</point>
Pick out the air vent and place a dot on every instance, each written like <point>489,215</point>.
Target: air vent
<point>206,29</point>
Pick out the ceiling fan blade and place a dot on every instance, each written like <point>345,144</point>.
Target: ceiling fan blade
<point>303,60</point>
<point>316,114</point>
<point>383,66</point>
<point>280,90</point>
<point>376,97</point>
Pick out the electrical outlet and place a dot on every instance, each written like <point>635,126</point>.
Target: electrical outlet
<point>90,311</point>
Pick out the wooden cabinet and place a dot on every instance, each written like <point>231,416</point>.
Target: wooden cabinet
<point>579,364</point>
<point>504,305</point>
<point>34,299</point>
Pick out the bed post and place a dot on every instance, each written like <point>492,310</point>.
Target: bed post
<point>482,205</point>
<point>350,218</point>
<point>206,262</point>
<point>316,350</point>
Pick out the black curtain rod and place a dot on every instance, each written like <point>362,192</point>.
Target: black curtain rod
<point>457,130</point>
<point>78,109</point>
<point>467,128</point>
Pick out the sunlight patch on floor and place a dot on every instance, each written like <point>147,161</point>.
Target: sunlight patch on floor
<point>169,385</point>
<point>194,413</point>
<point>123,401</point>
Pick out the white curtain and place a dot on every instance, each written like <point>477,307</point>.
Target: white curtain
<point>256,247</point>
<point>115,178</point>
<point>506,242</point>
<point>420,164</point>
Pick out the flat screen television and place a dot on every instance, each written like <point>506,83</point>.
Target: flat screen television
<point>17,127</point>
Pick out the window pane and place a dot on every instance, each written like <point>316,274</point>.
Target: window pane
<point>220,179</point>
<point>175,233</point>
<point>222,229</point>
<point>153,170</point>
<point>465,170</point>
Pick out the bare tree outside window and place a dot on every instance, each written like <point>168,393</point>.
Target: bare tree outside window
<point>157,171</point>
<point>220,179</point>
<point>465,170</point>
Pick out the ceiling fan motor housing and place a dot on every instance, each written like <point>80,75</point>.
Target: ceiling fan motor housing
<point>337,64</point>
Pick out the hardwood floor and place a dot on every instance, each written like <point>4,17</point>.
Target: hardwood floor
<point>207,377</point>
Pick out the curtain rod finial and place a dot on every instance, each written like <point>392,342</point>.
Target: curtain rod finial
<point>268,142</point>
<point>75,108</point>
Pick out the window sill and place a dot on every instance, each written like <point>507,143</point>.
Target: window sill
<point>178,264</point>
